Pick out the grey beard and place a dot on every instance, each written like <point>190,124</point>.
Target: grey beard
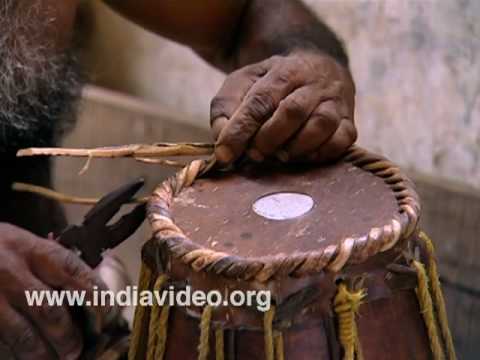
<point>38,86</point>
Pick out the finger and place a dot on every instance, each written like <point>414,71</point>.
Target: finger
<point>54,323</point>
<point>348,95</point>
<point>231,94</point>
<point>337,145</point>
<point>59,267</point>
<point>63,269</point>
<point>20,336</point>
<point>217,125</point>
<point>291,114</point>
<point>319,128</point>
<point>257,106</point>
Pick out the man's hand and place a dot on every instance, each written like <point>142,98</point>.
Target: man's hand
<point>297,107</point>
<point>31,263</point>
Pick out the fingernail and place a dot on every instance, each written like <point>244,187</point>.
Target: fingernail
<point>255,155</point>
<point>217,125</point>
<point>282,155</point>
<point>224,154</point>
<point>219,120</point>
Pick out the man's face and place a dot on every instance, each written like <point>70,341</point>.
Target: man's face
<point>39,77</point>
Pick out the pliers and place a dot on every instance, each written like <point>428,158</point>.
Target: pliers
<point>95,235</point>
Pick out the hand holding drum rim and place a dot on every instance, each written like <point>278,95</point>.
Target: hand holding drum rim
<point>297,107</point>
<point>28,262</point>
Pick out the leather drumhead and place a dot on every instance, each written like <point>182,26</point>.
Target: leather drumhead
<point>311,208</point>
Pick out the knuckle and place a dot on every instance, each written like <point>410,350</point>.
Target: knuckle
<point>260,104</point>
<point>49,249</point>
<point>322,122</point>
<point>273,61</point>
<point>334,90</point>
<point>301,61</point>
<point>343,139</point>
<point>244,74</point>
<point>293,107</point>
<point>238,73</point>
<point>41,247</point>
<point>46,252</point>
<point>242,131</point>
<point>339,87</point>
<point>287,74</point>
<point>251,71</point>
<point>238,132</point>
<point>277,58</point>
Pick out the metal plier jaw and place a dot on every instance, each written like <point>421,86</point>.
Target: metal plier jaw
<point>95,235</point>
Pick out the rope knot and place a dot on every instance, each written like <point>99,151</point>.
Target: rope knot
<point>346,306</point>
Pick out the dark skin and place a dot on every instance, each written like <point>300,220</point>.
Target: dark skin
<point>288,94</point>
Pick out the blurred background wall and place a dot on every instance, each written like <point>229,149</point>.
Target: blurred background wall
<point>416,65</point>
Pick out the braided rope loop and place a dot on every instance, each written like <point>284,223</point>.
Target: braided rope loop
<point>141,315</point>
<point>219,344</point>
<point>350,250</point>
<point>157,331</point>
<point>268,333</point>
<point>203,346</point>
<point>426,307</point>
<point>346,306</point>
<point>279,346</point>
<point>437,294</point>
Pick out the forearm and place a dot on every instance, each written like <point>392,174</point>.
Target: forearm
<point>301,104</point>
<point>273,27</point>
<point>230,34</point>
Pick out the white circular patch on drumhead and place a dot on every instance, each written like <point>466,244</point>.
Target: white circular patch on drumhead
<point>283,205</point>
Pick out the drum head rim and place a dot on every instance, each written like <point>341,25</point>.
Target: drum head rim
<point>330,258</point>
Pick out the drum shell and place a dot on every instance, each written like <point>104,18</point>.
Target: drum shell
<point>368,249</point>
<point>390,324</point>
<point>400,336</point>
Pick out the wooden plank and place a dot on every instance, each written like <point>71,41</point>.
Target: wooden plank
<point>451,216</point>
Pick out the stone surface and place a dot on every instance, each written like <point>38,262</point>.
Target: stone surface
<point>416,65</point>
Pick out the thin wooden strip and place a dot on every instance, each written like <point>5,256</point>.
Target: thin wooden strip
<point>132,150</point>
<point>60,197</point>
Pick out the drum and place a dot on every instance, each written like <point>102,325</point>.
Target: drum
<point>336,249</point>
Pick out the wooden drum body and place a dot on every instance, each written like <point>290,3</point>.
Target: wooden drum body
<point>337,247</point>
